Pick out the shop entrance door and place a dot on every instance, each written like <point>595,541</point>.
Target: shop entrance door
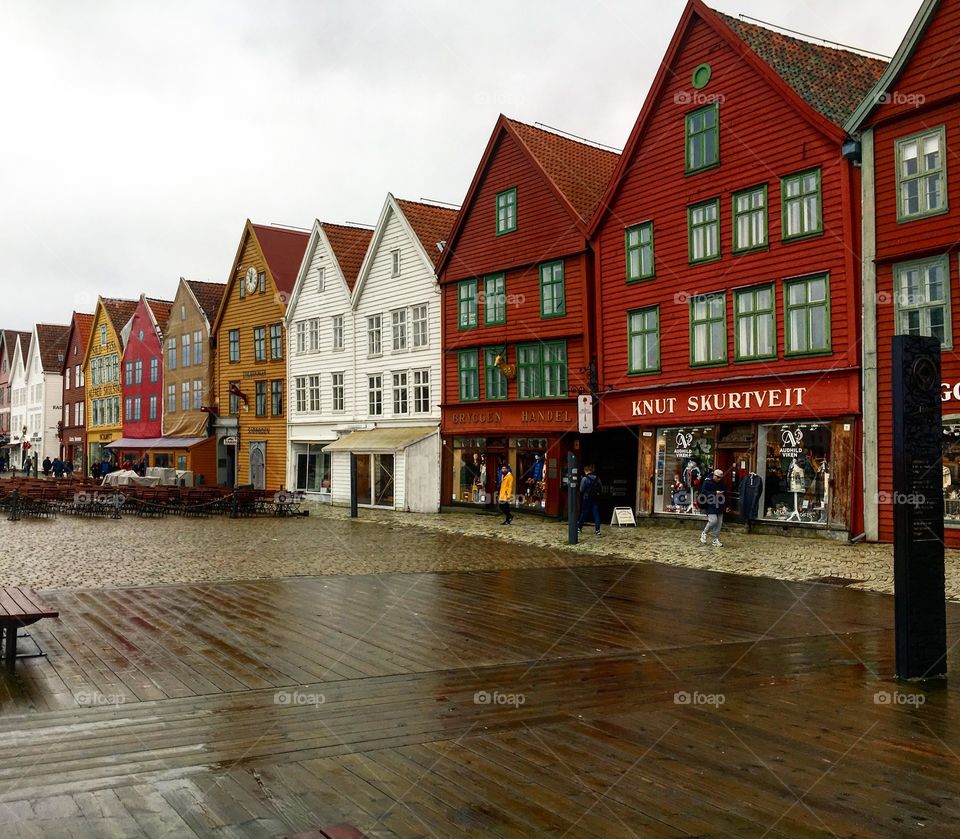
<point>383,480</point>
<point>363,478</point>
<point>736,465</point>
<point>258,465</point>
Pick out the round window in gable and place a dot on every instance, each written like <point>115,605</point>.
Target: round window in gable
<point>701,76</point>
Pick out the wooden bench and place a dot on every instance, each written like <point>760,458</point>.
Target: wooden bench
<point>19,607</point>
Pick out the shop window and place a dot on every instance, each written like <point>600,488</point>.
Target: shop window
<point>639,248</point>
<point>553,301</point>
<point>643,327</point>
<point>531,475</point>
<point>807,315</point>
<point>467,304</point>
<point>703,138</point>
<point>708,329</point>
<point>182,462</point>
<point>750,219</point>
<point>795,465</point>
<point>469,375</point>
<point>476,469</point>
<point>755,323</point>
<point>703,225</point>
<point>506,211</point>
<point>494,299</point>
<point>313,469</point>
<point>495,383</point>
<point>685,456</point>
<point>383,465</point>
<point>542,370</point>
<point>922,299</point>
<point>801,205</point>
<point>921,187</point>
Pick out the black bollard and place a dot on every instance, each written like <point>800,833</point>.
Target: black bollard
<point>14,506</point>
<point>353,486</point>
<point>572,498</point>
<point>234,506</point>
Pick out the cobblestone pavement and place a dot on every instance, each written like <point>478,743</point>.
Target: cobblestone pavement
<point>82,553</point>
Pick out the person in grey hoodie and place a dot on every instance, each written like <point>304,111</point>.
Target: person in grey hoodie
<point>713,501</point>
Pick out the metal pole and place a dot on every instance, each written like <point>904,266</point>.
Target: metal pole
<point>571,498</point>
<point>353,485</point>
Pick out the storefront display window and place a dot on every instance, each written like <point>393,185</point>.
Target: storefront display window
<point>313,469</point>
<point>951,471</point>
<point>795,464</point>
<point>531,471</point>
<point>475,471</point>
<point>684,458</point>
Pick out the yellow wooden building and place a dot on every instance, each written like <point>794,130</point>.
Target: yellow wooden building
<point>249,345</point>
<point>102,373</point>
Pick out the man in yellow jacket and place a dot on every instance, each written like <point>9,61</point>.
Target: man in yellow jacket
<point>506,493</point>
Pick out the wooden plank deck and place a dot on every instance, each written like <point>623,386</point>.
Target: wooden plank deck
<point>269,707</point>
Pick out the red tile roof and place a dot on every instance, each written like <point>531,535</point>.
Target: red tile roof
<point>580,171</point>
<point>52,345</point>
<point>84,324</point>
<point>209,296</point>
<point>10,340</point>
<point>432,224</point>
<point>119,311</point>
<point>349,246</point>
<point>283,250</point>
<point>161,312</point>
<point>833,81</point>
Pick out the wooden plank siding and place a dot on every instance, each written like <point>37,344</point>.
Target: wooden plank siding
<point>923,97</point>
<point>762,139</point>
<point>245,314</point>
<point>104,433</point>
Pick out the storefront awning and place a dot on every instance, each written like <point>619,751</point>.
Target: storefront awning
<point>156,443</point>
<point>381,439</point>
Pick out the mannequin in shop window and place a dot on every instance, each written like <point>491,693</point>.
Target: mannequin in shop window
<point>692,479</point>
<point>797,484</point>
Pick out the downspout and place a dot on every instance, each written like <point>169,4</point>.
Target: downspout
<point>871,466</point>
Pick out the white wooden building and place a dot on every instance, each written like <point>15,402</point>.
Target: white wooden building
<point>364,360</point>
<point>43,380</point>
<point>18,401</point>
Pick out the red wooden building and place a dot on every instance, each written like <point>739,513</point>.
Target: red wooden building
<point>911,267</point>
<point>729,296</point>
<point>141,371</point>
<point>516,278</point>
<point>73,429</point>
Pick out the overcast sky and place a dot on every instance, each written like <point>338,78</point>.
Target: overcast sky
<point>137,137</point>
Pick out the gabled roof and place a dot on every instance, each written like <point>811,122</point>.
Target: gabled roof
<point>896,66</point>
<point>349,245</point>
<point>10,340</point>
<point>283,250</point>
<point>831,80</point>
<point>431,224</point>
<point>208,296</point>
<point>83,323</point>
<point>119,311</point>
<point>577,173</point>
<point>161,312</point>
<point>52,346</point>
<point>805,74</point>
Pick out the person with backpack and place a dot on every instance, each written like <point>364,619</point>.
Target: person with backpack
<point>713,501</point>
<point>591,488</point>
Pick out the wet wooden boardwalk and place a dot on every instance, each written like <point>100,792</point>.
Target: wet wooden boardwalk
<point>605,702</point>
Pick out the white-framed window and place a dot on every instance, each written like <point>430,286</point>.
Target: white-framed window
<point>300,393</point>
<point>921,175</point>
<point>321,279</point>
<point>197,394</point>
<point>138,371</point>
<point>315,335</point>
<point>401,394</point>
<point>375,393</point>
<point>338,332</point>
<point>338,396</point>
<point>171,399</point>
<point>374,335</point>
<point>66,379</point>
<point>128,409</point>
<point>171,353</point>
<point>198,347</point>
<point>153,407</point>
<point>421,391</point>
<point>154,370</point>
<point>137,409</point>
<point>420,324</point>
<point>395,262</point>
<point>301,331</point>
<point>314,393</point>
<point>185,396</point>
<point>398,319</point>
<point>922,298</point>
<point>185,355</point>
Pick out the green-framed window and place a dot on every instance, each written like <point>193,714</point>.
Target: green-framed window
<point>921,175</point>
<point>802,213</point>
<point>507,211</point>
<point>643,340</point>
<point>553,299</point>
<point>542,370</point>
<point>708,329</point>
<point>495,383</point>
<point>750,219</point>
<point>806,315</point>
<point>703,138</point>
<point>469,375</point>
<point>467,304</point>
<point>754,323</point>
<point>921,298</point>
<point>495,299</point>
<point>703,224</point>
<point>638,241</point>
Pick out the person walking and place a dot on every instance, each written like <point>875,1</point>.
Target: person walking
<point>47,463</point>
<point>506,493</point>
<point>590,489</point>
<point>713,501</point>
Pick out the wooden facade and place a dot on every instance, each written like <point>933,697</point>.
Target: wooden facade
<point>8,349</point>
<point>703,261</point>
<point>911,267</point>
<point>520,257</point>
<point>73,422</point>
<point>249,343</point>
<point>142,374</point>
